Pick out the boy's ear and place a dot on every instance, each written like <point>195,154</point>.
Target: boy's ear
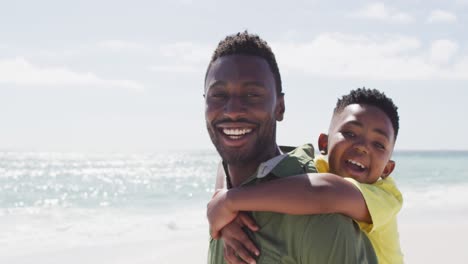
<point>323,144</point>
<point>388,169</point>
<point>280,107</point>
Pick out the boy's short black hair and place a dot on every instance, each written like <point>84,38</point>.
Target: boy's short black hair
<point>372,97</point>
<point>244,43</point>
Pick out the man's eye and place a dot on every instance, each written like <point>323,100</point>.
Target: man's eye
<point>218,95</point>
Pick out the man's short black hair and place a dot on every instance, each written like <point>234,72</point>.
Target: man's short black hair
<point>372,97</point>
<point>244,43</point>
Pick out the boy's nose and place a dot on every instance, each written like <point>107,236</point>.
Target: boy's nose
<point>361,146</point>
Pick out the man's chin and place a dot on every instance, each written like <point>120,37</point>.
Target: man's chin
<point>236,155</point>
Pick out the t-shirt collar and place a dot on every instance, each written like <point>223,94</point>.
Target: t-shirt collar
<point>266,167</point>
<point>263,170</point>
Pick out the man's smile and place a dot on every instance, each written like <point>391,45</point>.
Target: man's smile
<point>235,134</point>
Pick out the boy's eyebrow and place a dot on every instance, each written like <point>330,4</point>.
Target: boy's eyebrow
<point>376,130</point>
<point>356,123</point>
<point>381,132</point>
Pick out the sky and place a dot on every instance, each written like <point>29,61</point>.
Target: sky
<point>128,75</point>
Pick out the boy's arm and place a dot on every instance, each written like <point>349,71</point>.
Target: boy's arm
<point>220,177</point>
<point>302,194</point>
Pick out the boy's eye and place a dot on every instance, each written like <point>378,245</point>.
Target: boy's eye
<point>348,134</point>
<point>379,145</point>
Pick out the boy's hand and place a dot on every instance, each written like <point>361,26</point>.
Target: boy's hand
<point>218,213</point>
<point>238,248</point>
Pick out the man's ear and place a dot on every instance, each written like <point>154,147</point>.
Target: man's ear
<point>280,107</point>
<point>323,144</point>
<point>388,169</point>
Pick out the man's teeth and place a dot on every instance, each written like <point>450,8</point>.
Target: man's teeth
<point>236,132</point>
<point>357,164</point>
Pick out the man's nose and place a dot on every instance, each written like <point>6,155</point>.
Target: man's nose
<point>235,107</point>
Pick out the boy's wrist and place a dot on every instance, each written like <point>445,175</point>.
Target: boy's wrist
<point>230,200</point>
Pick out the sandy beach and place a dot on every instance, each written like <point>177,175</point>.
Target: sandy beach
<point>423,240</point>
<point>438,240</point>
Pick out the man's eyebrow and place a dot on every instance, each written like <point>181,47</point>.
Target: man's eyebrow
<point>244,84</point>
<point>254,83</point>
<point>217,83</point>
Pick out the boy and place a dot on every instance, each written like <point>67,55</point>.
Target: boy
<point>359,145</point>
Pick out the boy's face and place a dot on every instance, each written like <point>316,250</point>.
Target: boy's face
<point>360,143</point>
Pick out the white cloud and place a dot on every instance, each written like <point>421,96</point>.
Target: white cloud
<point>379,58</point>
<point>94,49</point>
<point>19,71</point>
<point>176,69</point>
<point>187,51</point>
<point>462,2</point>
<point>122,45</point>
<point>378,11</point>
<point>442,51</point>
<point>189,58</point>
<point>440,16</point>
<point>336,55</point>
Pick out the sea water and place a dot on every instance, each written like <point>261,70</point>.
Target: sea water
<point>52,202</point>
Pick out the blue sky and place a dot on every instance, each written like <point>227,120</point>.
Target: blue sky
<point>128,76</point>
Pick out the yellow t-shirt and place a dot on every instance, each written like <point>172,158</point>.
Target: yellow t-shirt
<point>384,201</point>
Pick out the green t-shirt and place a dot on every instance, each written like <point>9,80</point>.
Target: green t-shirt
<point>308,239</point>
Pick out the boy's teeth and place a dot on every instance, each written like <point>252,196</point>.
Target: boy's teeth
<point>356,163</point>
<point>236,131</point>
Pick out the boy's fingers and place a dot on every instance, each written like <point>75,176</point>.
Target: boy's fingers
<point>244,255</point>
<point>248,221</point>
<point>230,256</point>
<point>239,253</point>
<point>248,244</point>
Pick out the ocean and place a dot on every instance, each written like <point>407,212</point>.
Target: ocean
<point>64,204</point>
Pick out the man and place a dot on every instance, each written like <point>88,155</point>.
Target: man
<point>244,99</point>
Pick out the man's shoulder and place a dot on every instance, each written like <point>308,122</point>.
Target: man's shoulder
<point>298,160</point>
<point>305,151</point>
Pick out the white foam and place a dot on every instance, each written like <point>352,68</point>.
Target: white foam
<point>447,197</point>
<point>25,231</point>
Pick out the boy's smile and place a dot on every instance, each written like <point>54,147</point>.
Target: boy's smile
<point>360,143</point>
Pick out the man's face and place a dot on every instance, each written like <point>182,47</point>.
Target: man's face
<point>242,107</point>
<point>360,143</point>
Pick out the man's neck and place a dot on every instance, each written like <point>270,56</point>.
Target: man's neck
<point>238,173</point>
